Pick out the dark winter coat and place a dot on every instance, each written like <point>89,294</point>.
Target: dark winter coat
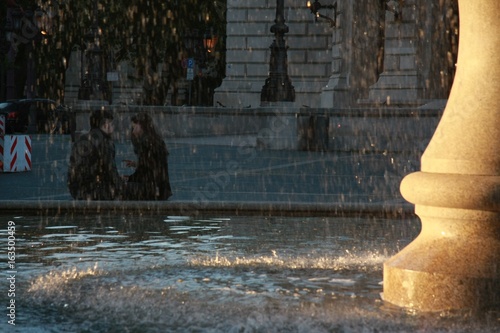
<point>92,172</point>
<point>150,181</point>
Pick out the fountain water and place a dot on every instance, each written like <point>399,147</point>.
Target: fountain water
<point>109,273</point>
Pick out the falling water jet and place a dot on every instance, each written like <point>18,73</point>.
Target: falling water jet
<point>455,261</point>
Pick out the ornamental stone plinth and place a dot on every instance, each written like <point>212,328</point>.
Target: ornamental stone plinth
<point>455,261</point>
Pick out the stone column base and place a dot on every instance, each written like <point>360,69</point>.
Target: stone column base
<point>450,265</point>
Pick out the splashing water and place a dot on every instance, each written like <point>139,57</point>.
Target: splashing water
<point>243,274</point>
<point>370,260</point>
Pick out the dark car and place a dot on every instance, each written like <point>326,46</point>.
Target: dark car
<point>36,115</point>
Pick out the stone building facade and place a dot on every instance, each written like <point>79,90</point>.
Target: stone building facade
<point>368,83</point>
<point>379,52</point>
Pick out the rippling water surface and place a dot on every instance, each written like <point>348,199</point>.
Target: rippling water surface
<point>125,273</point>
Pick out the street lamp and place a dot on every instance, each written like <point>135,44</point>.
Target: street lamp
<point>278,86</point>
<point>209,42</point>
<point>316,6</point>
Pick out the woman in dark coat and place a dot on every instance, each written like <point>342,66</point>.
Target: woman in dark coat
<point>150,181</point>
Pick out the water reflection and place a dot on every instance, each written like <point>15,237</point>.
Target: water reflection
<point>111,273</point>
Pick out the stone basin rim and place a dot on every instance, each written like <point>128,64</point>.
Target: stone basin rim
<point>290,209</point>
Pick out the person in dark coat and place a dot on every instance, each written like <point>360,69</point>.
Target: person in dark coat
<point>150,181</point>
<point>92,172</point>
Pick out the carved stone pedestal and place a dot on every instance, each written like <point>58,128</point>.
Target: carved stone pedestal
<point>455,262</point>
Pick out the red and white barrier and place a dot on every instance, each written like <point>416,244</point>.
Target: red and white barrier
<point>15,150</point>
<point>2,124</point>
<point>15,153</point>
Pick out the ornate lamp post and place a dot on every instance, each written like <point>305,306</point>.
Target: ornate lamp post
<point>278,86</point>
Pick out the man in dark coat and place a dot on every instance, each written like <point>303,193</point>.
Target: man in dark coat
<point>92,173</point>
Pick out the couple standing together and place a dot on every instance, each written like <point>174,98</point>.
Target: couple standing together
<point>93,175</point>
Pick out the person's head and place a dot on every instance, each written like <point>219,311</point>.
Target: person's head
<point>142,123</point>
<point>102,119</point>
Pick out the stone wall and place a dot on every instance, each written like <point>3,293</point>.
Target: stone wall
<point>371,56</point>
<point>368,58</point>
<point>366,130</point>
